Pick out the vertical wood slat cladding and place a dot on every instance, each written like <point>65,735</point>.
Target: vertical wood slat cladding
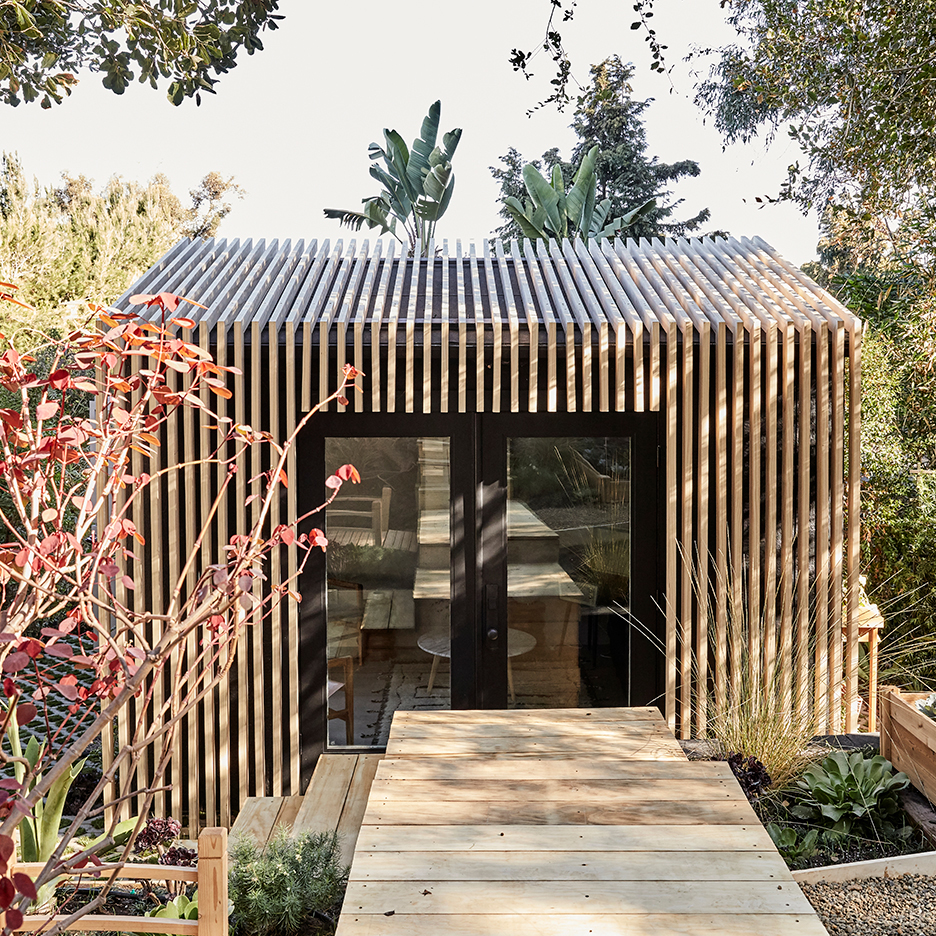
<point>743,359</point>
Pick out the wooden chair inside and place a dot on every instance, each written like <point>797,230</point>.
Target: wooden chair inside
<point>345,684</point>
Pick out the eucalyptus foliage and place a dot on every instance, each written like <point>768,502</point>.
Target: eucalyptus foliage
<point>417,184</point>
<point>279,889</point>
<point>44,42</point>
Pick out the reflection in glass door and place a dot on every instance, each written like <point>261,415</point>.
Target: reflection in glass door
<point>568,572</point>
<point>388,573</point>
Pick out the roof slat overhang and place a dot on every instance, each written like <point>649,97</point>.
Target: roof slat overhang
<point>519,320</point>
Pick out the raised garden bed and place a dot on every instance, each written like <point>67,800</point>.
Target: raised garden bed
<point>908,738</point>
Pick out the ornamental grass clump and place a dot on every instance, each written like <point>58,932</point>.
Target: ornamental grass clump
<point>284,888</point>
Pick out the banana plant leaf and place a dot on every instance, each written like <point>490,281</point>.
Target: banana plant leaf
<point>524,218</point>
<point>418,164</point>
<point>544,196</point>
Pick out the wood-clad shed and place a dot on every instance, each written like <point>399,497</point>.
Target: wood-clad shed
<point>530,415</point>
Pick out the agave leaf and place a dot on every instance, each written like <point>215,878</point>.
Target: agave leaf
<point>52,811</point>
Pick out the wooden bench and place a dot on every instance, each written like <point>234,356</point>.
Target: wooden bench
<point>386,609</point>
<point>359,520</point>
<point>334,802</point>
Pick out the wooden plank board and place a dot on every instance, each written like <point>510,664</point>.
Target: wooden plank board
<point>514,767</point>
<point>325,798</point>
<point>574,811</point>
<point>257,819</point>
<point>355,803</point>
<point>543,791</point>
<point>518,716</point>
<point>577,865</point>
<point>509,838</point>
<point>605,924</point>
<point>601,729</point>
<point>584,833</point>
<point>652,749</point>
<point>428,897</point>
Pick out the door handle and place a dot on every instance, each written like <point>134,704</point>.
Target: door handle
<point>490,612</point>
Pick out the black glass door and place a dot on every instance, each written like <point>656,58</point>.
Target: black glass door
<point>569,577</point>
<point>484,561</point>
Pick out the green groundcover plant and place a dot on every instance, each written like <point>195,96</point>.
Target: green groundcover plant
<point>284,888</point>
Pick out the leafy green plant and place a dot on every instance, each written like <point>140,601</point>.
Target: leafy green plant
<point>418,184</point>
<point>281,888</point>
<point>180,908</point>
<point>795,848</point>
<point>553,212</point>
<point>38,832</point>
<point>850,792</point>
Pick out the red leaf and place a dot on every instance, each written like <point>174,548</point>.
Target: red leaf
<point>15,662</point>
<point>128,582</point>
<point>183,322</point>
<point>60,650</point>
<point>49,514</point>
<point>288,536</point>
<point>22,557</point>
<point>7,847</point>
<point>333,482</point>
<point>14,919</point>
<point>283,478</point>
<point>349,473</point>
<point>70,692</point>
<point>7,893</point>
<point>59,379</point>
<point>25,713</point>
<point>24,884</point>
<point>47,410</point>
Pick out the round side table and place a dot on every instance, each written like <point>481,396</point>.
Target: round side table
<point>439,645</point>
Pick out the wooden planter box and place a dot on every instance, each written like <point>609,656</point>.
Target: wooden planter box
<point>908,738</point>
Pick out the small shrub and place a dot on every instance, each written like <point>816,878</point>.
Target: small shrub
<point>282,888</point>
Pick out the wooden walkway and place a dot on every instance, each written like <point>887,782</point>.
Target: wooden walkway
<point>334,801</point>
<point>560,822</point>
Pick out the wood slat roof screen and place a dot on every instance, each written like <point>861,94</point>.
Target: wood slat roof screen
<point>529,326</point>
<point>574,286</point>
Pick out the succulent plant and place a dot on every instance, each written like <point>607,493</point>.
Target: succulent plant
<point>927,706</point>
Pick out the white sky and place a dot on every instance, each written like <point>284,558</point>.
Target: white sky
<point>293,122</point>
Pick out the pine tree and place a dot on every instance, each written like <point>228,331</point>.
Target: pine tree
<point>606,115</point>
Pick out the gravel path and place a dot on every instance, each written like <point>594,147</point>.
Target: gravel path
<point>900,906</point>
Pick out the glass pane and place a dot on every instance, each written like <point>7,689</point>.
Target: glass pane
<point>568,572</point>
<point>388,572</point>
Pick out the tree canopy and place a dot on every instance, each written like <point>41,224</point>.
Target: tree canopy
<point>64,244</point>
<point>607,116</point>
<point>853,83</point>
<point>44,42</point>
